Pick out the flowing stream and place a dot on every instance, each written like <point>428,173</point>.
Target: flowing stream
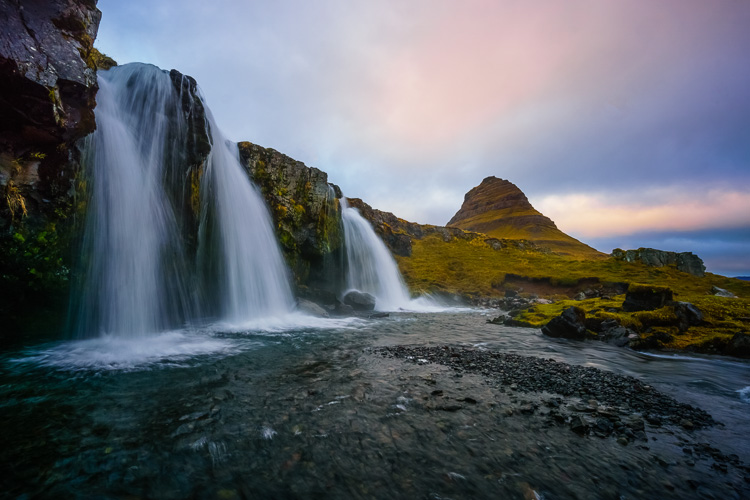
<point>312,412</point>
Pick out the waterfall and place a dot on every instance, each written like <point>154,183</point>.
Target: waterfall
<point>138,276</point>
<point>370,266</point>
<point>253,280</point>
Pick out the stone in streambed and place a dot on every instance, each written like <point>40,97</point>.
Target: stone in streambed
<point>311,308</point>
<point>360,301</point>
<point>739,346</point>
<point>570,324</point>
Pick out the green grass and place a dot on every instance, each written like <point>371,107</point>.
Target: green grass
<point>472,268</point>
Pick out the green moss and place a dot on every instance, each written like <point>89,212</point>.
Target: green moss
<point>647,288</point>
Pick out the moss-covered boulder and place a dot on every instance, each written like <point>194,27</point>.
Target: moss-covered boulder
<point>646,297</point>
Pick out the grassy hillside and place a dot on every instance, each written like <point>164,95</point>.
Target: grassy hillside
<point>474,268</point>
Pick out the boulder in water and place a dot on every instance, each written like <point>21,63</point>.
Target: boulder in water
<point>614,333</point>
<point>342,309</point>
<point>569,325</point>
<point>739,346</point>
<point>311,308</point>
<point>360,301</point>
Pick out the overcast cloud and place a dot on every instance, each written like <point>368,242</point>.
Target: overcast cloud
<point>627,123</point>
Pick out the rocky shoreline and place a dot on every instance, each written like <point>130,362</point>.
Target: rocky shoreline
<point>615,403</point>
<point>587,400</point>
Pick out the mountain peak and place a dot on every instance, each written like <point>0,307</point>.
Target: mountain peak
<point>498,208</point>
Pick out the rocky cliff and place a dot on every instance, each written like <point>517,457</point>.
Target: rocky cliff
<point>685,261</point>
<point>47,96</point>
<point>499,209</point>
<point>306,213</point>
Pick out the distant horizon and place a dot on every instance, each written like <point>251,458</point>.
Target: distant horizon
<point>624,123</point>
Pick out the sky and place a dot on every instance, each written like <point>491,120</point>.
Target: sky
<point>625,122</point>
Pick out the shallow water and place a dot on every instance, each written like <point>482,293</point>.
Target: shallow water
<point>305,409</point>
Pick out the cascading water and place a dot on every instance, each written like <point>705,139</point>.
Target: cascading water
<point>137,274</point>
<point>253,281</point>
<point>133,284</point>
<point>370,266</point>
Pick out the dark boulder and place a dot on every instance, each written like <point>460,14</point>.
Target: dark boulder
<point>646,298</point>
<point>654,341</point>
<point>342,309</point>
<point>360,301</point>
<point>739,346</point>
<point>571,324</point>
<point>687,315</point>
<point>614,333</point>
<point>311,308</point>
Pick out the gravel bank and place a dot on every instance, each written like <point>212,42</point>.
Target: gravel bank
<point>529,374</point>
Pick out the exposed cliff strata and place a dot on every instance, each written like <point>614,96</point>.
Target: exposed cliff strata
<point>306,212</point>
<point>499,209</point>
<point>47,96</point>
<point>686,262</point>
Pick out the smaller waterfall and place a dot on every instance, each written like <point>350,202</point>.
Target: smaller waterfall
<point>252,277</point>
<point>370,266</point>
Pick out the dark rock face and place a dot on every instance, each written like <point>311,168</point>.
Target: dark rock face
<point>644,298</point>
<point>47,96</point>
<point>48,82</point>
<point>686,261</point>
<point>739,346</point>
<point>359,301</point>
<point>571,324</point>
<point>306,213</point>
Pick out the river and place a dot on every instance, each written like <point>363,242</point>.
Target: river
<point>310,411</point>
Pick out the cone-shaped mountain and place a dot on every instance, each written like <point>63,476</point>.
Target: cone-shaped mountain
<point>499,209</point>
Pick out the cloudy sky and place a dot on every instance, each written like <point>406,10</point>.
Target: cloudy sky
<point>625,122</point>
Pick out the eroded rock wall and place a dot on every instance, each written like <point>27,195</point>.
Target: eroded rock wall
<point>306,214</point>
<point>684,261</point>
<point>47,97</point>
